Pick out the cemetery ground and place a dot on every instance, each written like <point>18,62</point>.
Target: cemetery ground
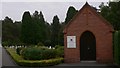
<point>33,56</point>
<point>11,58</point>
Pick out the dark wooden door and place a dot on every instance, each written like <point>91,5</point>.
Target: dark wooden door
<point>87,47</point>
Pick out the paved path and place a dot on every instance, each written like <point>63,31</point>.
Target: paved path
<point>6,59</point>
<point>0,56</point>
<point>87,65</point>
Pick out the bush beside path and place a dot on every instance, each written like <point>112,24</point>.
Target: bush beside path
<point>32,63</point>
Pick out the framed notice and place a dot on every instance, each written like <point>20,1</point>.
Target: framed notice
<point>71,41</point>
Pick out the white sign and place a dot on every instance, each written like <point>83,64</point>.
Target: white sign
<point>71,41</point>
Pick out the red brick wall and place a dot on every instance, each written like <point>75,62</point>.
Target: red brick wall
<point>87,20</point>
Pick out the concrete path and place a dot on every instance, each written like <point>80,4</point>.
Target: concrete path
<point>6,59</point>
<point>0,56</point>
<point>88,65</point>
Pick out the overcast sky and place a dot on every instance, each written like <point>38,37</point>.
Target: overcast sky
<point>15,10</point>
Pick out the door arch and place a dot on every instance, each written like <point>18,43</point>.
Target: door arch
<point>87,46</point>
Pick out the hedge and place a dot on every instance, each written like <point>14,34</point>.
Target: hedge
<point>117,47</point>
<point>38,53</point>
<point>33,63</point>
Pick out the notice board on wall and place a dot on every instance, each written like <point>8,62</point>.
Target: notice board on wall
<point>71,41</point>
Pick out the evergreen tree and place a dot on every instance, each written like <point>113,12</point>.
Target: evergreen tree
<point>42,25</point>
<point>111,12</point>
<point>27,29</point>
<point>48,35</point>
<point>10,31</point>
<point>36,22</point>
<point>55,28</point>
<point>61,35</point>
<point>70,13</point>
<point>7,28</point>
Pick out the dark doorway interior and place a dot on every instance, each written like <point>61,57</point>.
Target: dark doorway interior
<point>87,47</point>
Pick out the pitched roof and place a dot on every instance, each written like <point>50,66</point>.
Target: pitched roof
<point>95,13</point>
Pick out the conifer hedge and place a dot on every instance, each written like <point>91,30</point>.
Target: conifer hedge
<point>117,47</point>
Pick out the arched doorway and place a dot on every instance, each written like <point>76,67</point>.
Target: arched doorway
<point>87,46</point>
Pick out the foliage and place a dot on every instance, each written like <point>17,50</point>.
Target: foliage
<point>70,13</point>
<point>111,12</point>
<point>38,53</point>
<point>27,29</point>
<point>6,43</point>
<point>41,63</point>
<point>48,43</point>
<point>33,28</point>
<point>42,27</point>
<point>31,63</point>
<point>57,46</point>
<point>60,50</point>
<point>38,19</point>
<point>10,30</point>
<point>40,44</point>
<point>61,35</point>
<point>55,28</point>
<point>117,47</point>
<point>18,50</point>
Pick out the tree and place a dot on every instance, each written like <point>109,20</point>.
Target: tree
<point>27,29</point>
<point>55,28</point>
<point>48,35</point>
<point>42,25</point>
<point>61,35</point>
<point>36,22</point>
<point>111,12</point>
<point>70,13</point>
<point>7,28</point>
<point>35,14</point>
<point>33,28</point>
<point>16,31</point>
<point>10,31</point>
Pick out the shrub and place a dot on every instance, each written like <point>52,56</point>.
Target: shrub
<point>38,53</point>
<point>41,63</point>
<point>18,50</point>
<point>47,43</point>
<point>60,50</point>
<point>57,46</point>
<point>31,63</point>
<point>6,43</point>
<point>42,47</point>
<point>40,44</point>
<point>117,47</point>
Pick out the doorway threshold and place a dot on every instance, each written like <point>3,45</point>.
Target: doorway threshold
<point>88,61</point>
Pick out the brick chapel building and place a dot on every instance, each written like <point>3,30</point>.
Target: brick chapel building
<point>88,37</point>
